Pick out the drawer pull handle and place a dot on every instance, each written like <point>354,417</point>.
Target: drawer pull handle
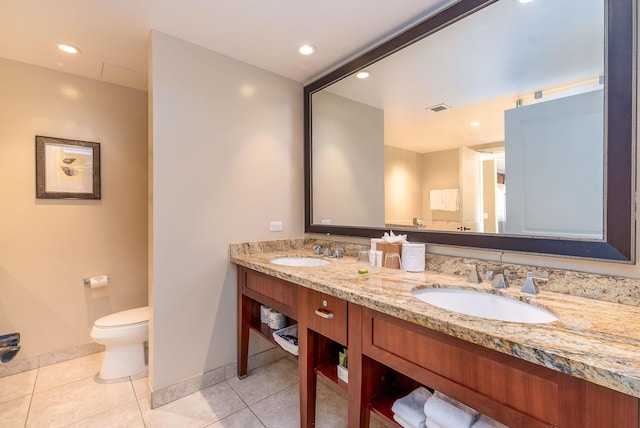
<point>324,313</point>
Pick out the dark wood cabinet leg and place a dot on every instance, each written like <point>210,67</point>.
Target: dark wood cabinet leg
<point>307,343</point>
<point>244,319</point>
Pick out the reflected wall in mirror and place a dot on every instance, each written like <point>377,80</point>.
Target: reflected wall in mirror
<point>492,125</point>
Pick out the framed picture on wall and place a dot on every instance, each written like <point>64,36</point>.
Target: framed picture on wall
<point>67,169</point>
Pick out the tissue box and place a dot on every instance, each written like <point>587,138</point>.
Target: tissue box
<point>292,331</point>
<point>387,248</point>
<point>343,374</point>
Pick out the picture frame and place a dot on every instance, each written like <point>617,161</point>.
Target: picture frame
<point>67,169</point>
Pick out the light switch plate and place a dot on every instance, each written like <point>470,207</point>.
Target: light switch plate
<point>275,226</point>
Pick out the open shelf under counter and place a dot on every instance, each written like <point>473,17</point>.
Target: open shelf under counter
<point>381,404</point>
<point>329,371</point>
<point>266,332</point>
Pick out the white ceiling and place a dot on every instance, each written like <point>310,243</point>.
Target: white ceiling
<point>514,49</point>
<point>112,34</point>
<point>480,66</point>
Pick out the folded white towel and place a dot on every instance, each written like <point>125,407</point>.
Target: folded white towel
<point>448,412</point>
<point>450,200</point>
<point>405,424</point>
<point>485,421</point>
<point>411,407</point>
<point>436,199</point>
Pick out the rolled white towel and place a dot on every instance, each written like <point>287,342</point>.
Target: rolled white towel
<point>449,413</point>
<point>410,408</point>
<point>428,423</point>
<point>404,423</point>
<point>485,421</point>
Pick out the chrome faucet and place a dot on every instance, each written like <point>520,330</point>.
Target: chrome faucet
<point>327,252</point>
<point>530,286</point>
<point>498,278</point>
<point>474,276</point>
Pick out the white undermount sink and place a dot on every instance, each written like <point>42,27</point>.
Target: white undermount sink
<point>484,305</point>
<point>299,261</point>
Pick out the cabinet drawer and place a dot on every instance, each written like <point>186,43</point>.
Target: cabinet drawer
<point>273,292</point>
<point>325,314</point>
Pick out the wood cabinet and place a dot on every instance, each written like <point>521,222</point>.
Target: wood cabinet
<point>255,289</point>
<point>324,314</point>
<point>388,357</point>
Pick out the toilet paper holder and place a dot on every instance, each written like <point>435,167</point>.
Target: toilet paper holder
<point>87,280</point>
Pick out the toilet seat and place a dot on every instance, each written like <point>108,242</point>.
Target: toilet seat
<point>131,317</point>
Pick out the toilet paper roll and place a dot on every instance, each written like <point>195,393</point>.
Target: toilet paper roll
<point>277,320</point>
<point>413,256</point>
<point>264,314</point>
<point>98,281</point>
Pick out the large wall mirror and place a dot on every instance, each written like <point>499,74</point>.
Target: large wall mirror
<point>502,125</point>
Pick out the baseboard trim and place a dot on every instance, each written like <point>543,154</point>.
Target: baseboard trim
<point>20,365</point>
<point>204,380</point>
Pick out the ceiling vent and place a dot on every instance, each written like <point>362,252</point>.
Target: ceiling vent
<point>439,107</point>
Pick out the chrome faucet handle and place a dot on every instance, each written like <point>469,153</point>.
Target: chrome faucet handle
<point>474,276</point>
<point>500,281</point>
<point>317,249</point>
<point>530,284</point>
<point>491,273</point>
<point>338,253</point>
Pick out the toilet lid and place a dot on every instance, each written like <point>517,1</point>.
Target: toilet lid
<point>128,317</point>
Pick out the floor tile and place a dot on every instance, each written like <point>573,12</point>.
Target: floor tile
<point>68,371</point>
<point>242,419</point>
<point>126,416</point>
<point>140,386</point>
<point>69,394</point>
<point>280,410</point>
<point>17,385</point>
<point>14,412</point>
<point>196,410</point>
<point>78,400</point>
<point>265,381</point>
<point>331,408</point>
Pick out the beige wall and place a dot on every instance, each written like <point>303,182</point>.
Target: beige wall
<point>227,160</point>
<point>48,246</point>
<point>348,161</point>
<point>441,170</point>
<point>489,174</point>
<point>403,185</point>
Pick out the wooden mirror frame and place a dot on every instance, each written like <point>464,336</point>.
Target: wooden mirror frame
<point>619,142</point>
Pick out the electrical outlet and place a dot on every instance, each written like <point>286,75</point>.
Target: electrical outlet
<point>275,226</point>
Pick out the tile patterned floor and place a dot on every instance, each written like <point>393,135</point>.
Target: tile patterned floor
<point>69,394</point>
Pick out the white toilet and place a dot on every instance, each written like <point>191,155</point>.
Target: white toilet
<point>123,334</point>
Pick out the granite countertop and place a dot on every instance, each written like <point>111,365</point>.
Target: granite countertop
<point>592,340</point>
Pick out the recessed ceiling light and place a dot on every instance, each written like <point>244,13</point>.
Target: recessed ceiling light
<point>474,124</point>
<point>306,49</point>
<point>525,1</point>
<point>68,48</point>
<point>363,74</point>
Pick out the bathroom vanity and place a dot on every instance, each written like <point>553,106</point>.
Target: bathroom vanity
<point>579,371</point>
